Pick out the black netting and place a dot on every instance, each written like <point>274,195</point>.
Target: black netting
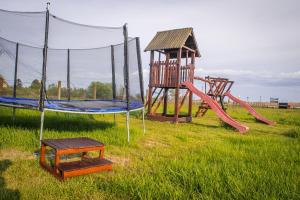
<point>134,76</point>
<point>119,71</point>
<point>83,62</point>
<point>7,66</point>
<point>56,77</point>
<point>64,34</point>
<point>30,62</point>
<point>26,28</point>
<point>90,70</point>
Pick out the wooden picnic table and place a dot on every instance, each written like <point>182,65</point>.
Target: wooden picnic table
<point>85,165</point>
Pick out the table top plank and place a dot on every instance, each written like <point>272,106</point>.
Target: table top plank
<point>71,143</point>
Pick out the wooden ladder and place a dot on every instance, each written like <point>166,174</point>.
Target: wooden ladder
<point>202,109</point>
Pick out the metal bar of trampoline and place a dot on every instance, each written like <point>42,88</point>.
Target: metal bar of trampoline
<point>42,126</point>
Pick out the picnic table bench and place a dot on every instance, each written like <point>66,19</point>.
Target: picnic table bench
<point>85,165</point>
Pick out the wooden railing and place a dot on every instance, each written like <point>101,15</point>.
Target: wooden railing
<point>164,74</point>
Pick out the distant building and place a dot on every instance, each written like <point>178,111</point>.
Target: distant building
<point>274,100</point>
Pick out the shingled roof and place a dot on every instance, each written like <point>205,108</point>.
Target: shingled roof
<point>174,39</point>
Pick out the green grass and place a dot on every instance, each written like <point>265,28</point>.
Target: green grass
<point>200,160</point>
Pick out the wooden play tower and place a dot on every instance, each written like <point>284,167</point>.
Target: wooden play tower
<point>173,65</point>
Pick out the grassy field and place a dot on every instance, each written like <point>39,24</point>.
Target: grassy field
<point>201,160</point>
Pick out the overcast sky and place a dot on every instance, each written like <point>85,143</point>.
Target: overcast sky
<point>256,43</point>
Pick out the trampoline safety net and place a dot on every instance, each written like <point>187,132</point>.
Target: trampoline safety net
<point>45,59</point>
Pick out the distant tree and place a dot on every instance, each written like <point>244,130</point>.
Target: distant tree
<point>52,90</point>
<point>35,84</point>
<point>19,83</point>
<point>104,90</point>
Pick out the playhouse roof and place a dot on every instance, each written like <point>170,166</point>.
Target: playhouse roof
<point>174,39</point>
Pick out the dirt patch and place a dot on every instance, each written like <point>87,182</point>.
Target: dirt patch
<point>118,160</point>
<point>152,143</point>
<point>13,154</point>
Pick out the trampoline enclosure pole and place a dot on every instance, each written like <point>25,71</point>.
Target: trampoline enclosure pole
<point>126,65</point>
<point>15,80</point>
<point>113,72</point>
<point>42,126</point>
<point>68,76</point>
<point>45,52</point>
<point>126,78</point>
<point>139,60</point>
<point>113,77</point>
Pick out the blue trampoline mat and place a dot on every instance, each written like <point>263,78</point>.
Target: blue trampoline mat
<point>90,106</point>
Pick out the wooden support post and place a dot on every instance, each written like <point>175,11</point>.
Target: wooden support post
<point>43,154</point>
<point>166,70</point>
<point>101,153</point>
<point>165,111</point>
<point>183,99</point>
<point>159,69</point>
<point>159,102</point>
<point>94,91</point>
<point>56,162</point>
<point>192,79</point>
<point>58,90</point>
<point>177,84</point>
<point>150,83</point>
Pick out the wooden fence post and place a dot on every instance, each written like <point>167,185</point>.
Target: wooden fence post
<point>58,90</point>
<point>1,83</point>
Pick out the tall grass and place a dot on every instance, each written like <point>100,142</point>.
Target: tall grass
<point>199,160</point>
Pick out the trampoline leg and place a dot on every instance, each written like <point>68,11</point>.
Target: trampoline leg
<point>127,126</point>
<point>144,127</point>
<point>42,126</point>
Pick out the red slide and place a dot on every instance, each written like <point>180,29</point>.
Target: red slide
<point>249,108</point>
<point>216,108</point>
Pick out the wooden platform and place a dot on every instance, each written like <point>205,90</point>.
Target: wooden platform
<point>67,146</point>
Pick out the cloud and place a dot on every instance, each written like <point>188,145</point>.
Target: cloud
<point>257,77</point>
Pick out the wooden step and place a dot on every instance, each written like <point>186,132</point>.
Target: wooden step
<point>85,166</point>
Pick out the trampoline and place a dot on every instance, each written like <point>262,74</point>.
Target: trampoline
<point>51,64</point>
